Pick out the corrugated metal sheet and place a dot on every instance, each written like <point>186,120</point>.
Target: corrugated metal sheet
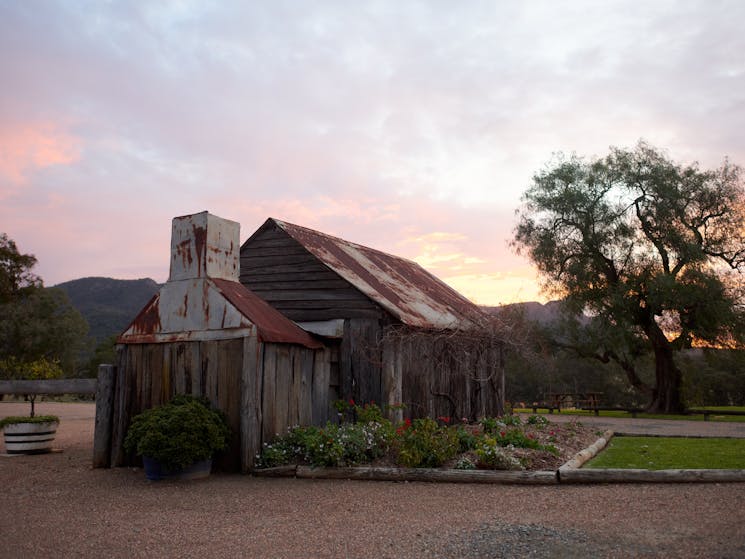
<point>402,287</point>
<point>272,325</point>
<point>211,309</point>
<point>203,299</point>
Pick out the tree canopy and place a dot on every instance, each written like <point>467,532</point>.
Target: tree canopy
<point>15,271</point>
<point>649,248</point>
<point>41,333</point>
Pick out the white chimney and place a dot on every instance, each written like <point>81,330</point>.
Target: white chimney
<point>204,246</point>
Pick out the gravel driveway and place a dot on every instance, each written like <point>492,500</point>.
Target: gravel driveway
<point>55,505</point>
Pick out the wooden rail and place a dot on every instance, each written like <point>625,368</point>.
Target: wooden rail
<point>102,387</point>
<point>55,386</point>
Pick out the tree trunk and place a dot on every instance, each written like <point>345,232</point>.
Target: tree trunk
<point>668,378</point>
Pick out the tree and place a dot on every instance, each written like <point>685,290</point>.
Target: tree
<point>647,248</point>
<point>40,330</point>
<point>15,271</point>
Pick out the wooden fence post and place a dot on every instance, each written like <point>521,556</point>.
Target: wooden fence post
<point>105,389</point>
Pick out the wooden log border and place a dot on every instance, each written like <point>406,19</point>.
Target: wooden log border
<point>588,453</point>
<point>568,473</point>
<point>569,476</point>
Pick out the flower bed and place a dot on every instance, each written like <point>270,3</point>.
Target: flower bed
<point>364,436</point>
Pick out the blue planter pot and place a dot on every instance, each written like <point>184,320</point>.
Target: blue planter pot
<point>155,471</point>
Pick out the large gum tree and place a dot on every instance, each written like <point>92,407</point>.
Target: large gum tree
<point>648,251</point>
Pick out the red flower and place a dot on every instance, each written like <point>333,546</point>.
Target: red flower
<point>351,402</point>
<point>503,433</point>
<point>444,419</point>
<point>408,422</point>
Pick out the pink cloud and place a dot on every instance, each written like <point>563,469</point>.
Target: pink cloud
<point>26,147</point>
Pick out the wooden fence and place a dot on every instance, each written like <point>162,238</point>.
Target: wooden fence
<point>103,388</point>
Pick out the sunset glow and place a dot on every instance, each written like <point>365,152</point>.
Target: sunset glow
<point>406,127</point>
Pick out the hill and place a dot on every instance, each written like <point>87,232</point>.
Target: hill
<point>109,305</point>
<point>545,314</point>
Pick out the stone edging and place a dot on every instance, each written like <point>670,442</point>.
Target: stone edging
<point>568,473</point>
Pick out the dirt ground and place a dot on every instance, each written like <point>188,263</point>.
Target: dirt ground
<point>55,505</point>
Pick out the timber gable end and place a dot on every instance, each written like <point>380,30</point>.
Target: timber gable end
<point>285,274</point>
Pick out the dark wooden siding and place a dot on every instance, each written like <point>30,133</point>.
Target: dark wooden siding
<point>447,377</point>
<point>282,272</point>
<point>151,374</point>
<point>360,361</point>
<point>289,383</point>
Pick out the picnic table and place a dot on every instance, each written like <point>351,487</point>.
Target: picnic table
<point>558,400</point>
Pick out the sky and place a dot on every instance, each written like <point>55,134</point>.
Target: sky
<point>412,127</point>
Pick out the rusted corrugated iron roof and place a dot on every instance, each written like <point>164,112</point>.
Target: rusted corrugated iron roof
<point>402,287</point>
<point>209,309</point>
<point>271,324</point>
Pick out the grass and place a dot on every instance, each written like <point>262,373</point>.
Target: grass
<point>664,453</point>
<point>641,415</point>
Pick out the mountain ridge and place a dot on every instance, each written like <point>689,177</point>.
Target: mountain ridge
<point>108,304</point>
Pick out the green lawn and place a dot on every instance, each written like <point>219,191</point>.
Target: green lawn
<point>665,453</point>
<point>624,414</point>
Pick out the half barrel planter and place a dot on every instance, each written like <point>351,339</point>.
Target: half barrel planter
<point>30,438</point>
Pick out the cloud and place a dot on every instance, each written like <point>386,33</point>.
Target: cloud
<point>409,127</point>
<point>27,147</point>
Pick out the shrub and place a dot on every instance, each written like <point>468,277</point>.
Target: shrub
<point>492,455</point>
<point>179,433</point>
<point>513,420</point>
<point>466,439</point>
<point>538,420</point>
<point>333,445</point>
<point>465,463</point>
<point>426,445</point>
<point>14,419</point>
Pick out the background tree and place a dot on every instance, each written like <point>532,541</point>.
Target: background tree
<point>40,330</point>
<point>15,271</point>
<point>647,248</point>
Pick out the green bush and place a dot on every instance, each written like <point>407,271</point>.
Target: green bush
<point>14,419</point>
<point>426,445</point>
<point>333,445</point>
<point>179,433</point>
<point>513,420</point>
<point>492,455</point>
<point>466,439</point>
<point>538,420</point>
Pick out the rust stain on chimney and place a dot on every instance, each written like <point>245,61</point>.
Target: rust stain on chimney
<point>200,243</point>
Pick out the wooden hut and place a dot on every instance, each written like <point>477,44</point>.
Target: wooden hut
<point>398,334</point>
<point>206,334</point>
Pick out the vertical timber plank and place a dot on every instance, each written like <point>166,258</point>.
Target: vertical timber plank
<point>321,386</point>
<point>306,386</point>
<point>283,387</point>
<point>105,392</point>
<point>269,395</point>
<point>250,411</point>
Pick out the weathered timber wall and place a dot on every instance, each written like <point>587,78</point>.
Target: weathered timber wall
<point>282,272</point>
<point>149,375</point>
<point>361,361</point>
<point>446,375</point>
<point>295,388</point>
<point>261,388</point>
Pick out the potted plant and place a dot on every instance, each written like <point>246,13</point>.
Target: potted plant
<point>30,434</point>
<point>177,440</point>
